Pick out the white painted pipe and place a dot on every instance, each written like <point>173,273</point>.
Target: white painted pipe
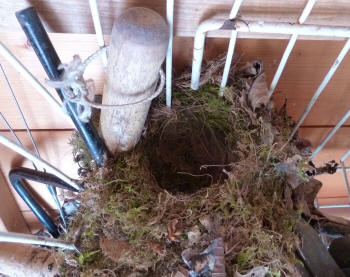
<point>228,62</point>
<point>27,154</point>
<point>286,28</point>
<point>345,176</point>
<point>342,160</point>
<point>320,89</point>
<point>169,53</point>
<point>220,21</point>
<point>282,64</point>
<point>334,206</point>
<point>330,135</point>
<point>35,240</point>
<point>198,47</point>
<point>6,53</point>
<point>307,10</point>
<point>235,8</point>
<point>289,48</point>
<point>231,48</point>
<point>98,29</point>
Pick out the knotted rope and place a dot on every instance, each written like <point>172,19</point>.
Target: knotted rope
<point>81,91</point>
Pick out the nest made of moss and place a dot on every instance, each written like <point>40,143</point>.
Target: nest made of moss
<point>203,169</point>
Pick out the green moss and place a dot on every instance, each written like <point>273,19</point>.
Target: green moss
<point>165,178</point>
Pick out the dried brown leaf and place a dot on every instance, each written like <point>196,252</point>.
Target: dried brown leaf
<point>173,231</point>
<point>258,95</point>
<point>114,249</point>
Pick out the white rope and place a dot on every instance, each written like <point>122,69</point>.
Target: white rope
<point>82,92</point>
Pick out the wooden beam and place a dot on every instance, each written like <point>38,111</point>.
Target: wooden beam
<point>74,16</point>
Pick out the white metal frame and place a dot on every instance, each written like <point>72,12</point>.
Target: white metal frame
<point>227,21</point>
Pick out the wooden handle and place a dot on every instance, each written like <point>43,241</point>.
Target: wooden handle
<point>138,46</point>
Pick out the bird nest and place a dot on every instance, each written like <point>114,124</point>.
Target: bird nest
<point>204,169</point>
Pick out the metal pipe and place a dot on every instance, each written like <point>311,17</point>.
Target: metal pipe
<point>320,89</point>
<point>342,160</point>
<point>36,240</point>
<point>287,28</point>
<point>220,21</point>
<point>27,154</point>
<point>228,62</point>
<point>169,53</point>
<point>36,34</point>
<point>334,206</point>
<point>307,10</point>
<point>98,29</point>
<point>198,47</point>
<point>289,48</point>
<point>17,176</point>
<point>282,64</point>
<point>235,8</point>
<point>6,53</point>
<point>345,180</point>
<point>330,135</point>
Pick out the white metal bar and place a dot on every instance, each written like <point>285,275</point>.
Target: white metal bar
<point>282,64</point>
<point>286,28</point>
<point>307,10</point>
<point>98,29</point>
<point>230,51</point>
<point>218,22</point>
<point>334,206</point>
<point>324,83</point>
<point>169,53</point>
<point>198,47</point>
<point>342,160</point>
<point>25,153</point>
<point>289,48</point>
<point>26,73</point>
<point>330,135</point>
<point>36,240</point>
<point>345,176</point>
<point>235,8</point>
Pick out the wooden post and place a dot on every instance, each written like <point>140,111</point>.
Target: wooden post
<point>138,46</point>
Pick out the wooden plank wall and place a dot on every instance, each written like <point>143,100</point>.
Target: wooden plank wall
<point>307,65</point>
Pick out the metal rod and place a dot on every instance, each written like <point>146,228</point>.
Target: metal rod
<point>16,177</point>
<point>36,240</point>
<point>36,34</point>
<point>27,154</point>
<point>307,10</point>
<point>289,48</point>
<point>98,29</point>
<point>235,8</point>
<point>334,206</point>
<point>286,28</point>
<point>330,135</point>
<point>320,89</point>
<point>198,47</point>
<point>345,180</point>
<point>26,74</point>
<point>51,189</point>
<point>282,64</point>
<point>228,62</point>
<point>169,53</point>
<point>220,21</point>
<point>342,160</point>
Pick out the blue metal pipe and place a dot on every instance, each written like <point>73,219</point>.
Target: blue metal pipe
<point>17,177</point>
<point>40,41</point>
